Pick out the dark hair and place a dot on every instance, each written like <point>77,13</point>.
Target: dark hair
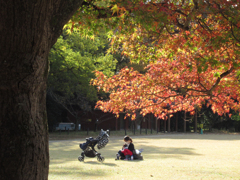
<point>125,145</point>
<point>127,138</point>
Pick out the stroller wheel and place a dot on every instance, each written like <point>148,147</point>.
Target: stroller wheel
<point>80,158</point>
<point>100,159</point>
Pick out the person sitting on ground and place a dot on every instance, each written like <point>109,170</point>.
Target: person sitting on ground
<point>128,140</point>
<point>127,153</point>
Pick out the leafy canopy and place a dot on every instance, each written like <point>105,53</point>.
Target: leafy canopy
<point>192,47</point>
<point>73,60</point>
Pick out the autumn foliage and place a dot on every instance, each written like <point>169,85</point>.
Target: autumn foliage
<point>168,87</point>
<point>192,48</point>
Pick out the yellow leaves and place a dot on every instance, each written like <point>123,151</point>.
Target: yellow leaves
<point>133,117</point>
<point>115,9</point>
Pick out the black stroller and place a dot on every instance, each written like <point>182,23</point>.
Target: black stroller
<point>88,146</point>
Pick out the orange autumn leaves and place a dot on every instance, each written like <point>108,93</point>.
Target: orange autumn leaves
<point>190,70</point>
<point>192,48</point>
<point>168,87</point>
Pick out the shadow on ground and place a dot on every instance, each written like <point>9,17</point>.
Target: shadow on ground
<point>77,171</point>
<point>176,135</point>
<point>97,163</point>
<point>68,150</point>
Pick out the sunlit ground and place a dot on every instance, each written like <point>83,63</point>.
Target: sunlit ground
<point>166,156</point>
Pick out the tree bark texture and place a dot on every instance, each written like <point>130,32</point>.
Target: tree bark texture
<point>164,125</point>
<point>185,122</point>
<point>156,124</point>
<point>195,122</point>
<point>28,31</point>
<point>169,123</point>
<point>176,122</point>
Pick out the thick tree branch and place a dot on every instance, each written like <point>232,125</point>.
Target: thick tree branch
<point>204,25</point>
<point>220,77</point>
<point>191,14</point>
<point>62,11</point>
<point>186,24</point>
<point>234,34</point>
<point>103,12</point>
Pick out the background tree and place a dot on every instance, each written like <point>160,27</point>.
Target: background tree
<point>194,55</point>
<point>73,60</point>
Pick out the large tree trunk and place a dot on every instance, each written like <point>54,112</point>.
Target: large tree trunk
<point>28,30</point>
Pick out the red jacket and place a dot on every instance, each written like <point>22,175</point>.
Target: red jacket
<point>127,152</point>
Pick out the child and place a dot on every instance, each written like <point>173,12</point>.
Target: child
<point>127,153</point>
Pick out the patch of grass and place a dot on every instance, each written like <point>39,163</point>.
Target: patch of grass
<point>166,156</point>
<point>63,135</point>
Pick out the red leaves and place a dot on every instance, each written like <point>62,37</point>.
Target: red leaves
<point>168,86</point>
<point>190,52</point>
<point>141,4</point>
<point>187,32</point>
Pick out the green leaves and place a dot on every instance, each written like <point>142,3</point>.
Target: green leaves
<point>216,74</point>
<point>73,60</point>
<point>238,74</point>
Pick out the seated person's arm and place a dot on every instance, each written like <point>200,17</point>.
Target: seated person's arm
<point>131,147</point>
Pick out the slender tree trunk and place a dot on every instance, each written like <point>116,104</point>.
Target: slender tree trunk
<point>169,123</point>
<point>135,124</point>
<point>184,122</point>
<point>156,123</point>
<point>116,124</point>
<point>28,30</point>
<point>176,122</point>
<point>164,126</point>
<point>159,125</point>
<point>195,123</point>
<point>122,122</point>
